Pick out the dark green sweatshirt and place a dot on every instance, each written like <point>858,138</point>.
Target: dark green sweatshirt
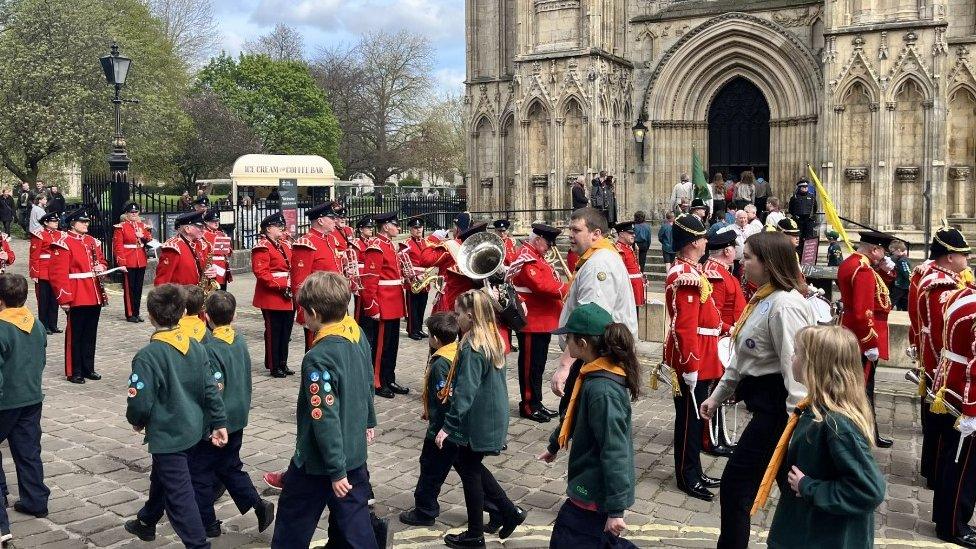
<point>439,367</point>
<point>601,456</point>
<point>478,410</point>
<point>23,357</point>
<point>335,407</point>
<point>170,394</point>
<point>841,488</point>
<point>231,365</point>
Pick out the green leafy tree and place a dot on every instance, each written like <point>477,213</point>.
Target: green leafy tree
<point>279,101</point>
<point>57,105</point>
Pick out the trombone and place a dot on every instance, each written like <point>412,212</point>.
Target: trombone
<point>554,258</point>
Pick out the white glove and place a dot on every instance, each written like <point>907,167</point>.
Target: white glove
<point>889,265</point>
<point>872,354</point>
<point>441,233</point>
<point>967,426</point>
<point>691,379</point>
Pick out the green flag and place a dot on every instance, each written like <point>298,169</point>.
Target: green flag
<point>698,178</point>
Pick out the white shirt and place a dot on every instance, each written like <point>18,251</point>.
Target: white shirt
<point>602,280</point>
<point>681,190</point>
<point>754,226</point>
<point>773,218</point>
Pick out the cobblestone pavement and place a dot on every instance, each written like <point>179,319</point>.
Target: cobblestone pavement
<point>97,467</point>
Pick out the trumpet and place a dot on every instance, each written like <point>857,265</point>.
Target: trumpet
<point>422,281</point>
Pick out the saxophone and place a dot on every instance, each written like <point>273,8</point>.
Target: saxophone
<point>93,256</point>
<point>207,284</point>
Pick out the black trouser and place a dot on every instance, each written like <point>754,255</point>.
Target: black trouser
<point>80,333</point>
<point>765,397</point>
<point>132,290</point>
<point>955,495</point>
<point>277,335</point>
<point>479,484</point>
<point>305,496</point>
<point>47,305</point>
<point>416,306</point>
<point>6,226</point>
<point>171,489</point>
<point>533,352</point>
<point>578,528</point>
<point>209,464</point>
<point>642,255</point>
<point>435,464</point>
<point>870,369</point>
<point>931,445</point>
<point>21,428</point>
<point>899,298</point>
<point>386,344</point>
<point>688,429</point>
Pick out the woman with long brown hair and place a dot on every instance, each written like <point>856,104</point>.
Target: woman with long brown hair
<point>760,374</point>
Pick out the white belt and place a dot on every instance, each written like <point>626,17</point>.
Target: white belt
<point>636,275</point>
<point>522,290</point>
<point>89,274</point>
<point>391,283</point>
<point>132,246</point>
<point>280,275</point>
<point>218,257</point>
<point>709,332</point>
<point>955,357</point>
<point>44,256</point>
<point>926,330</point>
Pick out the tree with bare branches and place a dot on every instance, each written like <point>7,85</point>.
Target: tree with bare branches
<point>284,43</point>
<point>190,27</point>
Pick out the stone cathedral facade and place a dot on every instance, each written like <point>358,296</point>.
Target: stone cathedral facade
<point>878,95</point>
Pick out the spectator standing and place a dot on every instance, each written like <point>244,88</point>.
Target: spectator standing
<point>903,271</point>
<point>25,199</point>
<point>745,191</point>
<point>719,205</point>
<point>186,203</point>
<point>579,194</point>
<point>598,192</point>
<point>55,201</point>
<point>610,195</point>
<point>664,236</point>
<point>682,191</point>
<point>7,209</point>
<point>774,215</point>
<point>642,237</point>
<point>803,208</point>
<point>37,212</point>
<point>762,196</point>
<point>755,225</point>
<point>39,188</point>
<point>834,256</point>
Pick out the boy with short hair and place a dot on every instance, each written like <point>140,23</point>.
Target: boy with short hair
<point>173,398</point>
<point>903,272</point>
<point>23,343</point>
<point>192,322</point>
<point>335,418</point>
<point>834,256</point>
<point>231,366</point>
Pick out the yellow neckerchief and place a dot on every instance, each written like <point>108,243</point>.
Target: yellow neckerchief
<point>346,328</point>
<point>778,455</point>
<point>762,293</point>
<point>881,288</point>
<point>20,317</point>
<point>448,352</point>
<point>602,363</point>
<point>225,334</point>
<point>175,337</point>
<point>602,244</point>
<point>193,326</point>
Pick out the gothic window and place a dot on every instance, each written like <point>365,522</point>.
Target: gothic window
<point>857,143</point>
<point>962,152</point>
<point>574,161</point>
<point>539,156</point>
<point>909,134</point>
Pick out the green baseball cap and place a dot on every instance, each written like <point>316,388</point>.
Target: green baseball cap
<point>587,319</point>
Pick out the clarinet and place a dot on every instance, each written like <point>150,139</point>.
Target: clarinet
<point>93,255</point>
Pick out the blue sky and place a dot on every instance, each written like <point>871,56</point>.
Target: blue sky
<point>329,22</point>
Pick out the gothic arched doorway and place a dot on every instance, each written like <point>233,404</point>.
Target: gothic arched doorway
<point>738,130</point>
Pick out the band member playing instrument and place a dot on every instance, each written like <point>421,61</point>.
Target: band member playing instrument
<point>314,252</point>
<point>691,349</point>
<point>866,305</point>
<point>40,260</point>
<point>542,291</point>
<point>949,253</point>
<point>383,301</point>
<point>271,262</point>
<point>502,227</point>
<point>416,302</point>
<point>439,254</point>
<point>730,301</point>
<point>76,261</point>
<point>183,258</point>
<point>129,248</point>
<point>221,248</point>
<point>625,245</point>
<point>342,235</point>
<point>364,227</point>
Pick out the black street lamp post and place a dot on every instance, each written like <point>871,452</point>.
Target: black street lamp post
<point>116,68</point>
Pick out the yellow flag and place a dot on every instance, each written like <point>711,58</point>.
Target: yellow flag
<point>829,210</point>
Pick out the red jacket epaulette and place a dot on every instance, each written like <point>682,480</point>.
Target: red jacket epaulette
<point>921,268</point>
<point>61,241</point>
<point>304,242</point>
<point>172,244</point>
<point>117,225</point>
<point>375,245</point>
<point>688,279</point>
<point>712,274</point>
<point>936,279</point>
<point>261,244</point>
<point>38,233</point>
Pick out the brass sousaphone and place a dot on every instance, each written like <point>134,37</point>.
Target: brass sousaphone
<point>481,257</point>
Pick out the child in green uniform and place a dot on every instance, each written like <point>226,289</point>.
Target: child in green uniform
<point>231,364</point>
<point>22,358</point>
<point>834,256</point>
<point>335,418</point>
<point>192,322</point>
<point>598,420</point>
<point>173,398</point>
<point>476,421</point>
<point>829,482</point>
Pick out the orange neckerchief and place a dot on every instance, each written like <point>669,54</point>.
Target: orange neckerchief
<point>602,244</point>
<point>449,352</point>
<point>193,326</point>
<point>778,455</point>
<point>21,317</point>
<point>346,328</point>
<point>761,294</point>
<point>225,334</point>
<point>175,338</point>
<point>602,363</point>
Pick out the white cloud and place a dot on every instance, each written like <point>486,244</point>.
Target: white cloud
<point>450,80</point>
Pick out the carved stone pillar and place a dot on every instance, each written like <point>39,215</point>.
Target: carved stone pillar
<point>906,176</point>
<point>958,184</point>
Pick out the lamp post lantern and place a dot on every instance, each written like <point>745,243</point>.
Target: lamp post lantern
<point>116,69</point>
<point>640,133</point>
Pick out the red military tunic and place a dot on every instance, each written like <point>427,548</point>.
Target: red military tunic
<point>72,271</point>
<point>541,290</point>
<point>222,248</point>
<point>866,303</point>
<point>726,293</point>
<point>437,255</point>
<point>271,264</point>
<point>633,271</point>
<point>181,261</point>
<point>511,250</point>
<point>957,370</point>
<point>415,249</point>
<point>338,239</point>
<point>692,340</point>
<point>5,246</point>
<point>129,242</point>
<point>40,252</point>
<point>310,253</point>
<point>382,281</point>
<point>571,259</point>
<point>934,289</point>
<point>915,326</point>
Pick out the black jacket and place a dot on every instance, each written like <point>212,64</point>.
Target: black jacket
<point>579,197</point>
<point>7,209</point>
<point>55,203</point>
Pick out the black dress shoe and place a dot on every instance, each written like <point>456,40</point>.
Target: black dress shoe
<point>20,508</point>
<point>131,319</point>
<point>384,392</point>
<point>94,376</point>
<point>710,482</point>
<point>145,532</point>
<point>699,491</point>
<point>415,337</point>
<point>288,371</point>
<point>536,415</point>
<point>48,332</point>
<point>213,531</point>
<point>719,451</point>
<point>510,523</point>
<point>464,540</point>
<point>75,379</point>
<point>548,412</point>
<point>884,443</point>
<point>140,319</point>
<point>968,540</point>
<point>413,518</point>
<point>422,334</point>
<point>264,510</point>
<point>495,521</point>
<point>398,389</point>
<point>277,373</point>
